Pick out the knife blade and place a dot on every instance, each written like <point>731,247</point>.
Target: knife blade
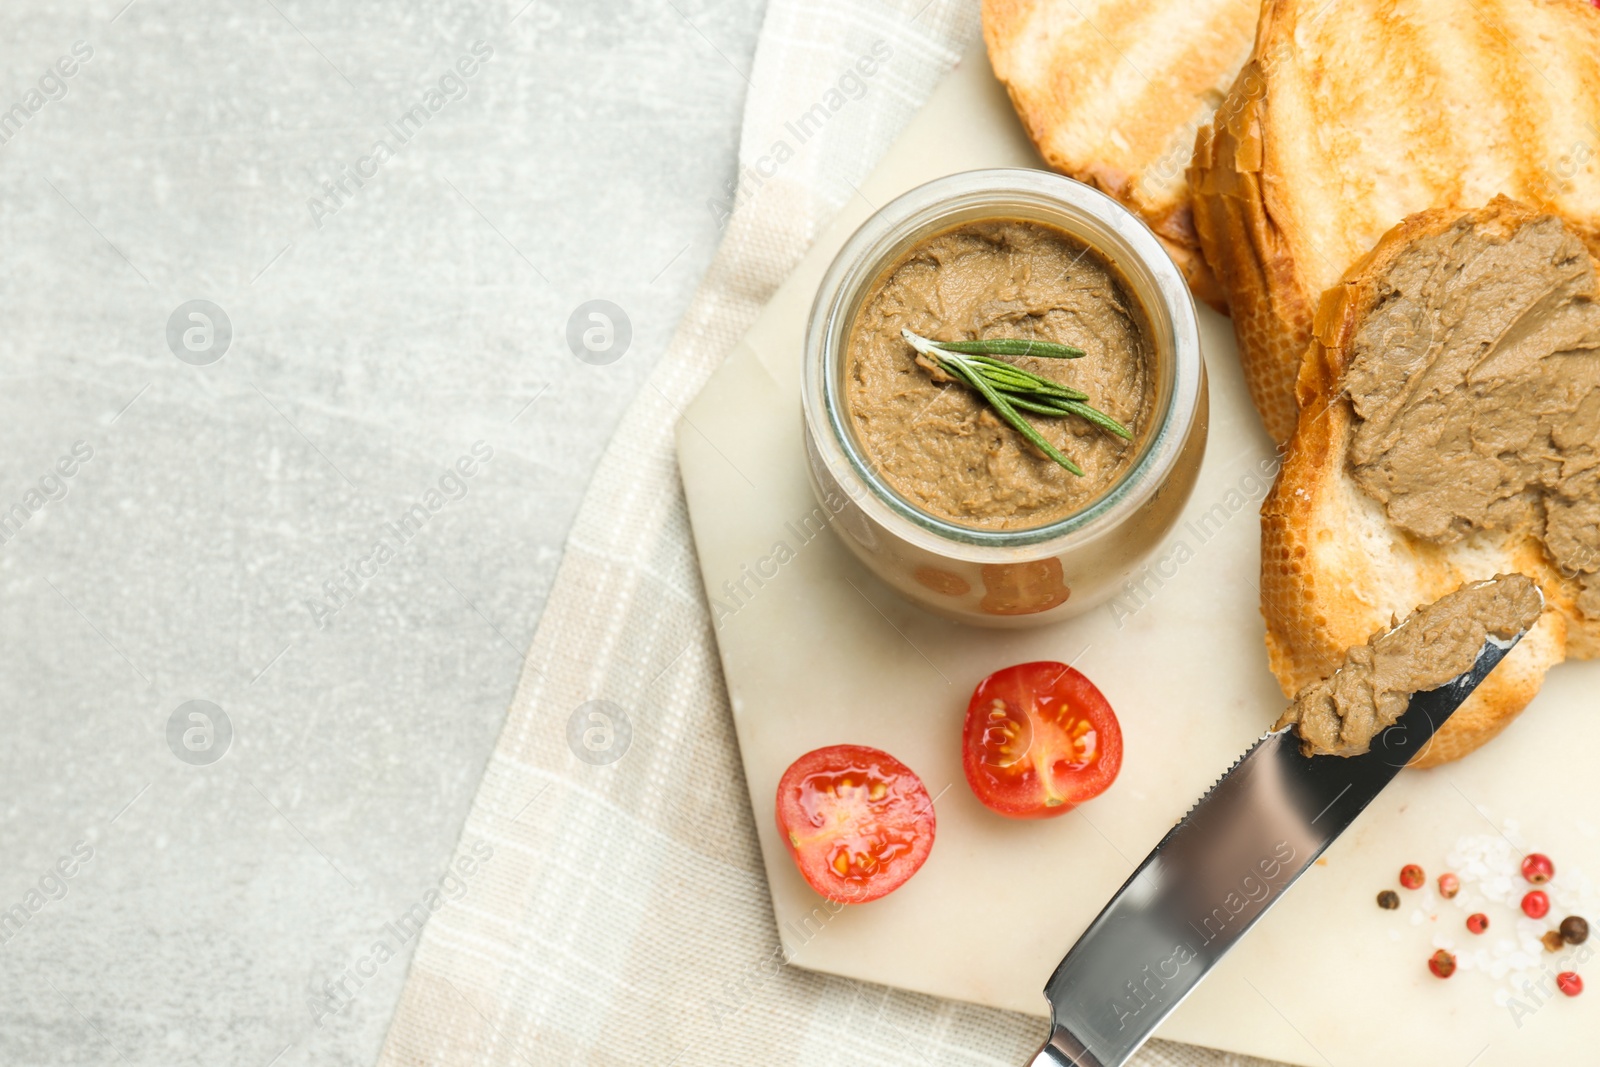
<point>1221,868</point>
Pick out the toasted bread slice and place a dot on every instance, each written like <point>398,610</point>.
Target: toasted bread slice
<point>1351,115</point>
<point>1334,568</point>
<point>1113,92</point>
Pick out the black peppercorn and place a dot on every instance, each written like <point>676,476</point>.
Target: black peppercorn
<point>1574,930</point>
<point>1389,900</point>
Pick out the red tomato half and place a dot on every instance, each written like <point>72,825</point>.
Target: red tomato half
<point>857,821</point>
<point>1039,739</point>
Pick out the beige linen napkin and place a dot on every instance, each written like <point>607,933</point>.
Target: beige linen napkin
<point>617,912</point>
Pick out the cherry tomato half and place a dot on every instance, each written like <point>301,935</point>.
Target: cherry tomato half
<point>857,821</point>
<point>1039,739</point>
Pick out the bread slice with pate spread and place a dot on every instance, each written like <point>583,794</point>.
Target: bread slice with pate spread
<point>1112,92</point>
<point>1448,431</point>
<point>1351,115</point>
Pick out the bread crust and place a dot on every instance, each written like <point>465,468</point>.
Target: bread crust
<point>1334,570</point>
<point>1249,175</point>
<point>1242,243</point>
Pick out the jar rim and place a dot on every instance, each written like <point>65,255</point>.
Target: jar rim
<point>1086,214</point>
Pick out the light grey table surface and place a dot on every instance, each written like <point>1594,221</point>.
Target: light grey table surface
<point>170,894</point>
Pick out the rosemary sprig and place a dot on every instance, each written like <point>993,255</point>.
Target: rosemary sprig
<point>1005,346</point>
<point>1011,390</point>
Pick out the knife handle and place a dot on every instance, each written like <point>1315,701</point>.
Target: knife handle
<point>1064,1050</point>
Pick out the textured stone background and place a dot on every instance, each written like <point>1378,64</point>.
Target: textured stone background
<point>427,313</point>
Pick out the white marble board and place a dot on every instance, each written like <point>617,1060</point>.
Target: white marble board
<point>823,654</point>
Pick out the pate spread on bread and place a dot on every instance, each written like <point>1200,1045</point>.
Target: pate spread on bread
<point>1476,388</point>
<point>1449,430</point>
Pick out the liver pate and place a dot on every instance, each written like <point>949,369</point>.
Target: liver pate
<point>1476,380</point>
<point>937,444</point>
<point>1340,715</point>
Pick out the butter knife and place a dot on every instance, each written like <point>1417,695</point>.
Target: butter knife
<point>1225,864</point>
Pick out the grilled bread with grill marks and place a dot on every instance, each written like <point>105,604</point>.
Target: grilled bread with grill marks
<point>1113,92</point>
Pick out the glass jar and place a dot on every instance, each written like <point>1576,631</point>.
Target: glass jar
<point>1016,577</point>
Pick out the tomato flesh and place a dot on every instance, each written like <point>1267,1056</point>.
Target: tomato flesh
<point>857,821</point>
<point>1039,739</point>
